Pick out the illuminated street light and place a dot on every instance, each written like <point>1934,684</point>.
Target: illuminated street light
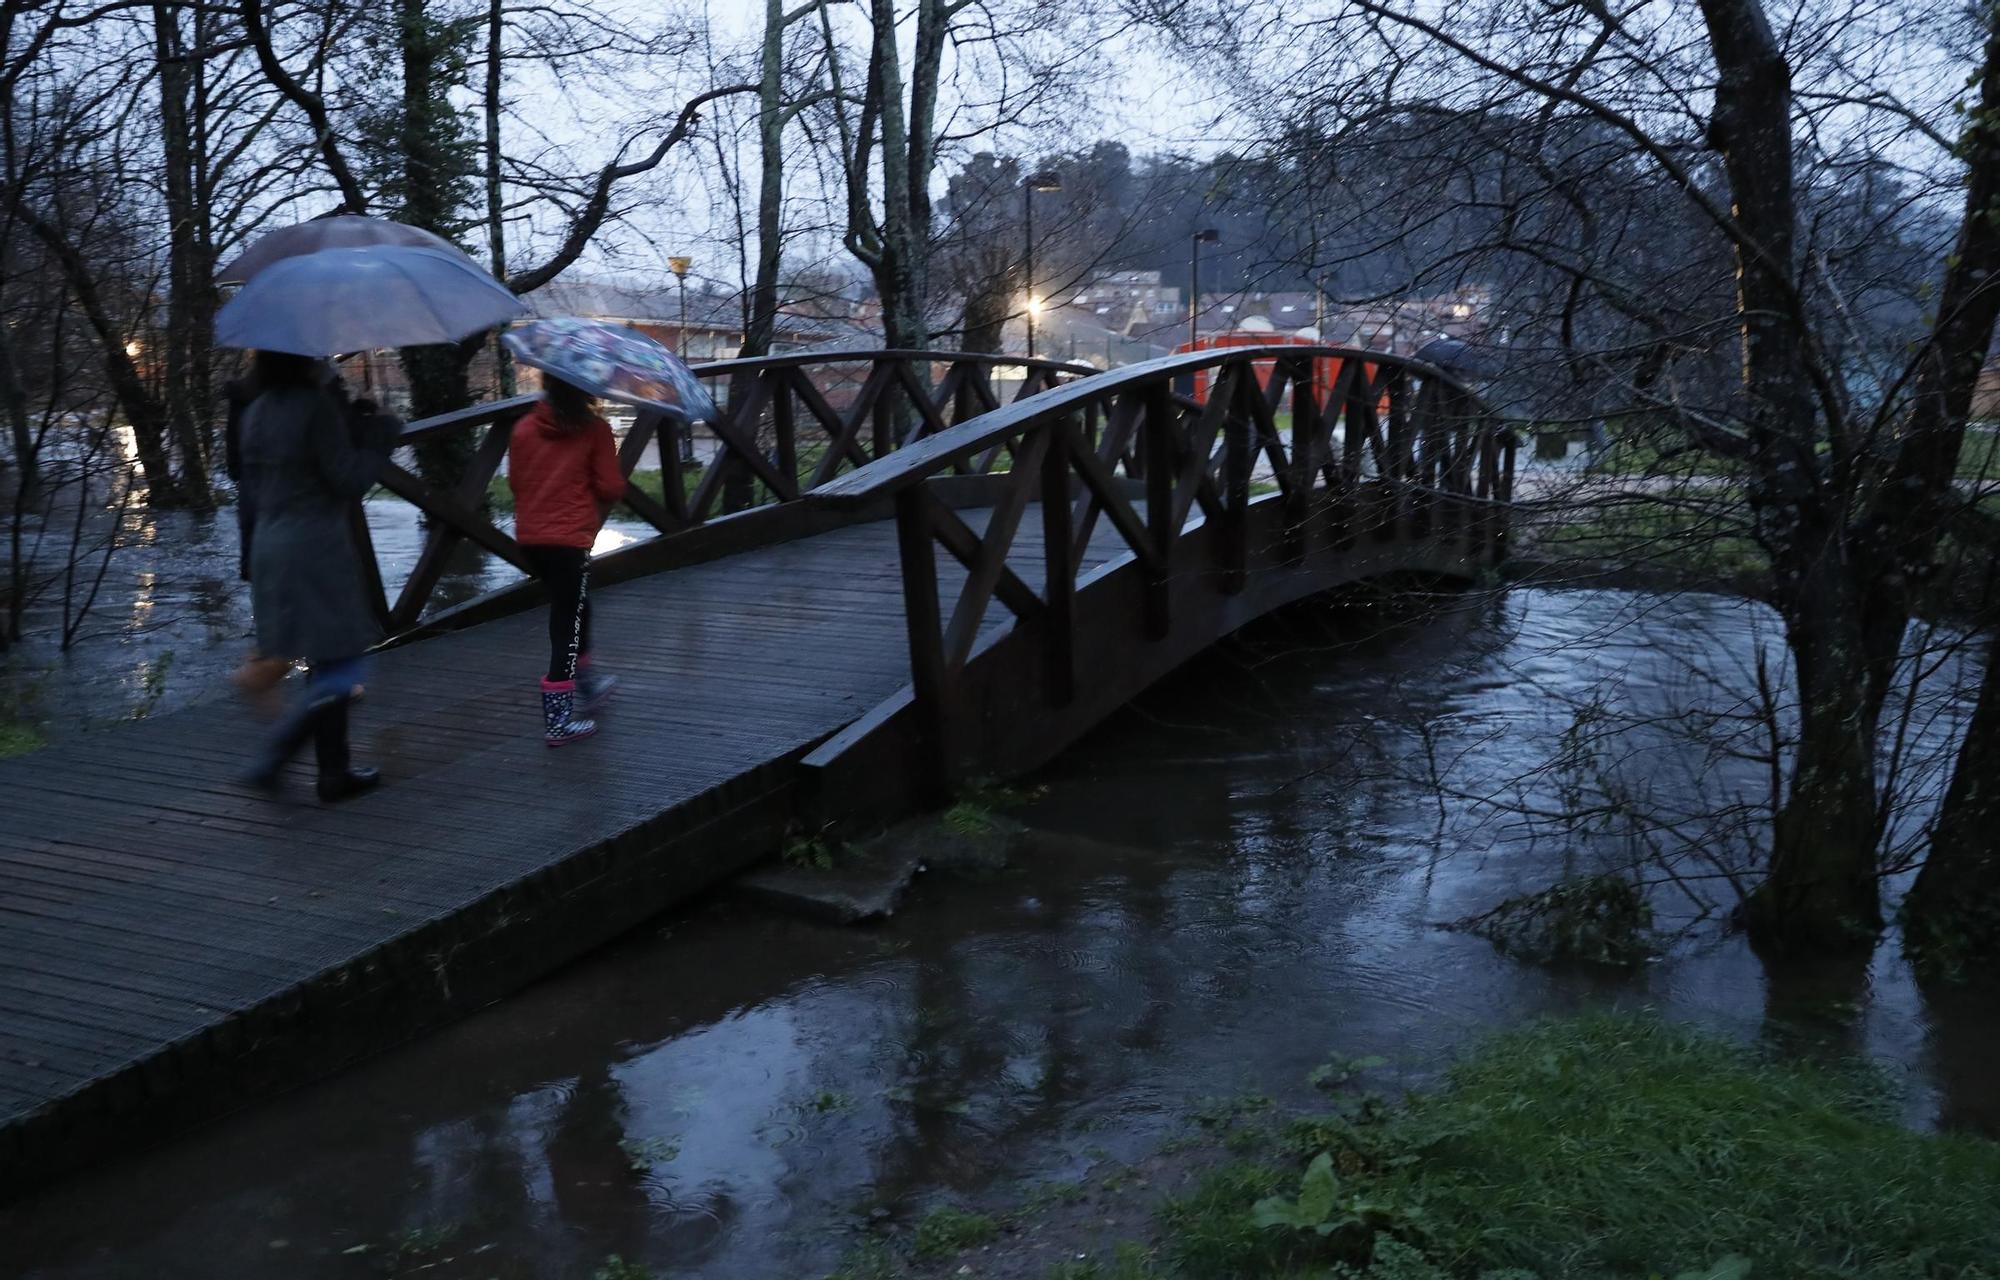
<point>1044,181</point>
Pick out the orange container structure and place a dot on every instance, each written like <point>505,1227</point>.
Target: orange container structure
<point>1326,369</point>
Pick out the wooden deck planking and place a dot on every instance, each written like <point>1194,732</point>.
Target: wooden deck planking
<point>145,897</point>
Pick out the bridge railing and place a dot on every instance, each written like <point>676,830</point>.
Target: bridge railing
<point>1378,447</point>
<point>786,424</point>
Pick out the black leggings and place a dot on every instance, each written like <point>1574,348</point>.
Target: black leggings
<point>565,571</point>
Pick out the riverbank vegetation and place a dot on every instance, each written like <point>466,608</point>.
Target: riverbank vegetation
<point>1600,1146</point>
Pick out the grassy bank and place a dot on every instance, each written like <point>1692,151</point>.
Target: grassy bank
<point>20,725</point>
<point>1597,1147</point>
<point>18,736</point>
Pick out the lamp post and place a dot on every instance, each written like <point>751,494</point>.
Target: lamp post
<point>1208,235</point>
<point>1043,181</point>
<point>679,266</point>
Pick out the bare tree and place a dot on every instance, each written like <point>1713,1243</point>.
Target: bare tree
<point>1837,458</point>
<point>986,67</point>
<point>419,161</point>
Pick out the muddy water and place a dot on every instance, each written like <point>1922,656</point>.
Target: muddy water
<point>1235,878</point>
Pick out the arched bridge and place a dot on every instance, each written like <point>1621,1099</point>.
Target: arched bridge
<point>883,572</point>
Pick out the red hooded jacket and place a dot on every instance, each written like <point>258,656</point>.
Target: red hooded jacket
<point>561,476</point>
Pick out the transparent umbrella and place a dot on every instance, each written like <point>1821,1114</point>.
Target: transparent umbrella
<point>336,231</point>
<point>341,300</point>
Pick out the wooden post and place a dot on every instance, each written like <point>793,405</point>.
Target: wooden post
<point>885,413</point>
<point>1059,567</point>
<point>371,568</point>
<point>1487,526</point>
<point>929,679</point>
<point>1236,465</point>
<point>1156,445</point>
<point>783,422</point>
<point>1396,468</point>
<point>1306,428</point>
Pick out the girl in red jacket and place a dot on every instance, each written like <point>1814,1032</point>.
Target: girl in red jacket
<point>563,468</point>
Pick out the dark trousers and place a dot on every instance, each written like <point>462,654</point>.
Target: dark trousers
<point>320,718</point>
<point>565,572</point>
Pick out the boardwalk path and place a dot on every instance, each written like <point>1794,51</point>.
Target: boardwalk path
<point>170,942</point>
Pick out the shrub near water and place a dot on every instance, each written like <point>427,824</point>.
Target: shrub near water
<point>1608,1147</point>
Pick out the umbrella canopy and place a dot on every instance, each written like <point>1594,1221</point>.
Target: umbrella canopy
<point>339,300</point>
<point>612,361</point>
<point>341,231</point>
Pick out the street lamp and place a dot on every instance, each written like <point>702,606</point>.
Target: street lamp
<point>1208,235</point>
<point>1043,181</point>
<point>679,266</point>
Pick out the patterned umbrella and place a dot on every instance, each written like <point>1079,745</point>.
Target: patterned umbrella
<point>336,231</point>
<point>611,361</point>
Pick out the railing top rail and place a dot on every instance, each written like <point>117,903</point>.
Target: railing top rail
<point>723,368</point>
<point>921,458</point>
<point>479,415</point>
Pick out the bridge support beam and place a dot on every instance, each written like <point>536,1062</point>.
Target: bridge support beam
<point>1059,572</point>
<point>930,678</point>
<point>1159,437</point>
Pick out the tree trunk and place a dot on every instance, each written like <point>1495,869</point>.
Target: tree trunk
<point>439,384</point>
<point>206,299</point>
<point>20,431</point>
<point>1821,890</point>
<point>1820,893</point>
<point>1952,914</point>
<point>438,375</point>
<point>496,228</point>
<point>185,274</point>
<point>760,326</point>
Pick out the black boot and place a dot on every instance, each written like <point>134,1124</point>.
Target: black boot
<point>284,743</point>
<point>338,779</point>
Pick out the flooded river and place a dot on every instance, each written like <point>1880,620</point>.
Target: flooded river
<point>171,620</point>
<point>1238,876</point>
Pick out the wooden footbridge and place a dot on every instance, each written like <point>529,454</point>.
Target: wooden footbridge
<point>898,569</point>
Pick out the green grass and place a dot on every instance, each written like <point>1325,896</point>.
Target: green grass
<point>946,1231</point>
<point>1639,456</point>
<point>20,729</point>
<point>969,818</point>
<point>1978,459</point>
<point>18,737</point>
<point>1979,456</point>
<point>1606,1147</point>
<point>1658,535</point>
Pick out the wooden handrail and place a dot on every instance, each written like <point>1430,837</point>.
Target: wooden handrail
<point>477,415</point>
<point>796,359</point>
<point>935,453</point>
<point>758,435</point>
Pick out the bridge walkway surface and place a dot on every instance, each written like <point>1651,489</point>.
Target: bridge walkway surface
<point>170,941</point>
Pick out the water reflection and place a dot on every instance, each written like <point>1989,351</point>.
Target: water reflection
<point>1229,882</point>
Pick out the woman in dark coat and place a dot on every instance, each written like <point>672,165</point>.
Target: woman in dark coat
<point>303,469</point>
